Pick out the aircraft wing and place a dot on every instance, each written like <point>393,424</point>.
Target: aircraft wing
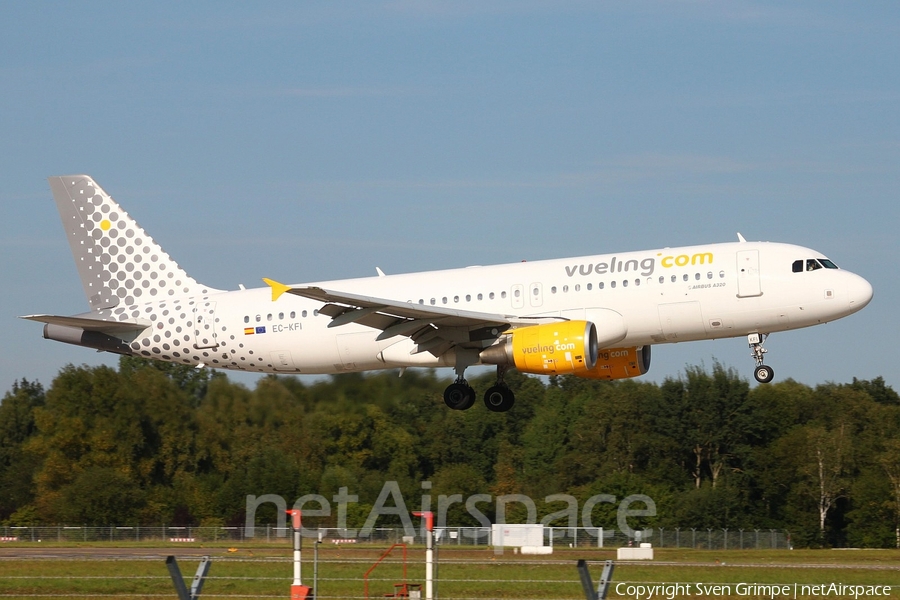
<point>91,324</point>
<point>435,329</point>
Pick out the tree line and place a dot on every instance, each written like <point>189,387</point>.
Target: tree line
<point>152,443</point>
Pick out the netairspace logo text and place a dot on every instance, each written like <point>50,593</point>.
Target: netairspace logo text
<point>670,591</point>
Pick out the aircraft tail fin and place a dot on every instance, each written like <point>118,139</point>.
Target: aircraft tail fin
<point>118,263</point>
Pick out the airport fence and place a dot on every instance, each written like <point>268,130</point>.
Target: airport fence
<point>574,537</point>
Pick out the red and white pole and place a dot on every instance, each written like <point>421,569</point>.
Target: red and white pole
<point>298,590</point>
<point>429,552</point>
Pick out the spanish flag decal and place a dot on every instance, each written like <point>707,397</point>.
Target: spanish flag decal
<point>249,331</point>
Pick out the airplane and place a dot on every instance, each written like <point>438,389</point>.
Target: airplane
<point>592,316</point>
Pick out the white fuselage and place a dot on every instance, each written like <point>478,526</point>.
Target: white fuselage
<point>664,296</point>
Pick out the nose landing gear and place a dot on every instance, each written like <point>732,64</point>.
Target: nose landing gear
<point>762,373</point>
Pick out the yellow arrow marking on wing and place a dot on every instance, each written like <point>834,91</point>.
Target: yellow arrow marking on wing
<point>277,288</point>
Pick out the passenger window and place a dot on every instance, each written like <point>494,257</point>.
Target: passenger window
<point>697,276</point>
<point>444,299</point>
<point>674,278</point>
<point>637,282</point>
<point>259,318</point>
<point>246,319</point>
<point>553,290</point>
<point>797,267</point>
<point>455,298</point>
<point>565,289</point>
<point>491,296</point>
<point>432,301</point>
<point>503,294</point>
<point>625,283</point>
<point>721,274</point>
<point>468,297</point>
<point>480,297</point>
<point>293,314</point>
<point>600,285</point>
<point>577,287</point>
<point>709,275</point>
<point>517,293</point>
<point>662,279</point>
<point>590,286</point>
<point>303,314</point>
<point>685,277</point>
<point>281,316</point>
<point>612,284</point>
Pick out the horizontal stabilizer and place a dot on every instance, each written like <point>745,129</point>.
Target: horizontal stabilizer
<point>91,324</point>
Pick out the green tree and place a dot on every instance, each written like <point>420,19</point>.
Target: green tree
<point>889,460</point>
<point>714,419</point>
<point>96,421</point>
<point>17,425</point>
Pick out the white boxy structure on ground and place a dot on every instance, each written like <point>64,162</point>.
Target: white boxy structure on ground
<point>643,552</point>
<point>525,538</point>
<point>517,536</point>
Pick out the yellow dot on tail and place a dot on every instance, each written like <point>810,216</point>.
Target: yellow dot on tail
<point>105,224</point>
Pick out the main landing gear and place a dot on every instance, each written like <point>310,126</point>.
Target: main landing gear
<point>762,373</point>
<point>459,395</point>
<point>498,397</point>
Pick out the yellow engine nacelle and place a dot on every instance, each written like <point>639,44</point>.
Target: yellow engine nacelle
<point>620,363</point>
<point>567,347</point>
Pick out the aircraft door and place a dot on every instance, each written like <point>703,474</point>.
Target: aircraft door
<point>536,294</point>
<point>205,326</point>
<point>748,274</point>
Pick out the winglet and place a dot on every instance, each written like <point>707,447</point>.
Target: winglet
<point>277,288</point>
<point>741,238</point>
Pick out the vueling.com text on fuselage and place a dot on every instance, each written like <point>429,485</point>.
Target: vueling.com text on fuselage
<point>646,266</point>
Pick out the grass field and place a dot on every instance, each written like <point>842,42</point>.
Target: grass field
<point>136,571</point>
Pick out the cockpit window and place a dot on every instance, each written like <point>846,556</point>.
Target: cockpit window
<point>812,264</point>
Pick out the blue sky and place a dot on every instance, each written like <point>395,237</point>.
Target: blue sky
<point>310,141</point>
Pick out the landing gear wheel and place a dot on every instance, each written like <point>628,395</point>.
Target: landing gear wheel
<point>763,374</point>
<point>499,398</point>
<point>459,396</point>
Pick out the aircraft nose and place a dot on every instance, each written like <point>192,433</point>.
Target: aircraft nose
<point>860,293</point>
